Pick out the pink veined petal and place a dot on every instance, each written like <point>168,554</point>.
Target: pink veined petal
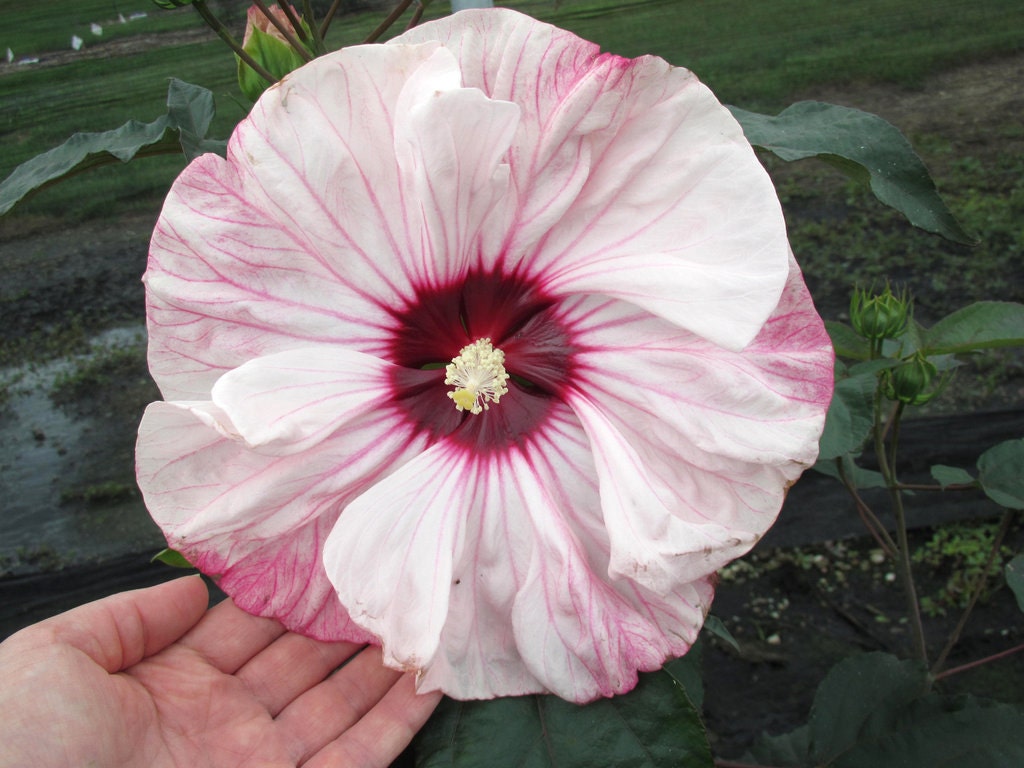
<point>489,577</point>
<point>293,242</point>
<point>451,146</point>
<point>696,445</point>
<point>391,555</point>
<point>257,522</point>
<point>289,401</point>
<point>631,179</point>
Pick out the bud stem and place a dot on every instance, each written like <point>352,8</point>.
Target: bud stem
<point>302,50</point>
<point>326,23</point>
<point>222,32</point>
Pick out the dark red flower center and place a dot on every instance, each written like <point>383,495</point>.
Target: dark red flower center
<point>518,318</point>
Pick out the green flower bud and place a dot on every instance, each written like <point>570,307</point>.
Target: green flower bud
<point>879,316</point>
<point>170,5</point>
<point>269,48</point>
<point>910,381</point>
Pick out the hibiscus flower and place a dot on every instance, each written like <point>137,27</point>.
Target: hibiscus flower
<point>483,346</point>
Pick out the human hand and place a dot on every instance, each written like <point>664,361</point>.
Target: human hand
<point>151,678</point>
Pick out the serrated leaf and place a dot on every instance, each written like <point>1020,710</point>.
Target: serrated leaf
<point>863,146</point>
<point>171,557</point>
<point>190,109</point>
<point>947,476</point>
<point>1015,579</point>
<point>983,325</point>
<point>1001,473</point>
<point>654,726</point>
<point>850,416</point>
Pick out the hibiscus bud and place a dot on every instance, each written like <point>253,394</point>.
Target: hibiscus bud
<point>879,316</point>
<point>909,381</point>
<point>269,48</point>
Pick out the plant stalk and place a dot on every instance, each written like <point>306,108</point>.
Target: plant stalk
<point>328,17</point>
<point>978,662</point>
<point>390,19</point>
<point>887,464</point>
<point>314,28</point>
<point>222,32</point>
<point>867,516</point>
<point>976,589</point>
<point>416,15</point>
<point>283,29</point>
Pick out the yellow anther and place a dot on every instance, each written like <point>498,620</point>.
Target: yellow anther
<point>479,376</point>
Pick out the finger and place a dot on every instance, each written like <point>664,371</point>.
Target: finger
<point>121,630</point>
<point>227,637</point>
<point>291,665</point>
<point>384,732</point>
<point>326,711</point>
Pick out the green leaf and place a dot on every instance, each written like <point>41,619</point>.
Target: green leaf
<point>716,627</point>
<point>172,558</point>
<point>1015,579</point>
<point>947,476</point>
<point>1001,473</point>
<point>858,699</point>
<point>847,342</point>
<point>190,109</point>
<point>787,750</point>
<point>860,478</point>
<point>983,325</point>
<point>873,711</point>
<point>850,416</point>
<point>655,725</point>
<point>863,146</point>
<point>944,732</point>
<point>687,672</point>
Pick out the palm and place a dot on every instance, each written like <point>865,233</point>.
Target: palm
<point>236,690</point>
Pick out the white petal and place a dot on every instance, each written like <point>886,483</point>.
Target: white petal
<point>630,178</point>
<point>257,522</point>
<point>451,144</point>
<point>695,445</point>
<point>488,575</point>
<point>289,401</point>
<point>309,233</point>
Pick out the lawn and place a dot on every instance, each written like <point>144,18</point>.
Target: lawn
<point>753,54</point>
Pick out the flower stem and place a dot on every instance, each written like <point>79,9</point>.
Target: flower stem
<point>416,15</point>
<point>978,662</point>
<point>976,589</point>
<point>328,17</point>
<point>390,19</point>
<point>283,29</point>
<point>928,487</point>
<point>867,516</point>
<point>887,464</point>
<point>222,32</point>
<point>318,40</point>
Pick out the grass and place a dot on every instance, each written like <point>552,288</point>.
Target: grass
<point>753,54</point>
<point>31,29</point>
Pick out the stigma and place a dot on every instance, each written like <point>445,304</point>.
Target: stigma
<point>478,374</point>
